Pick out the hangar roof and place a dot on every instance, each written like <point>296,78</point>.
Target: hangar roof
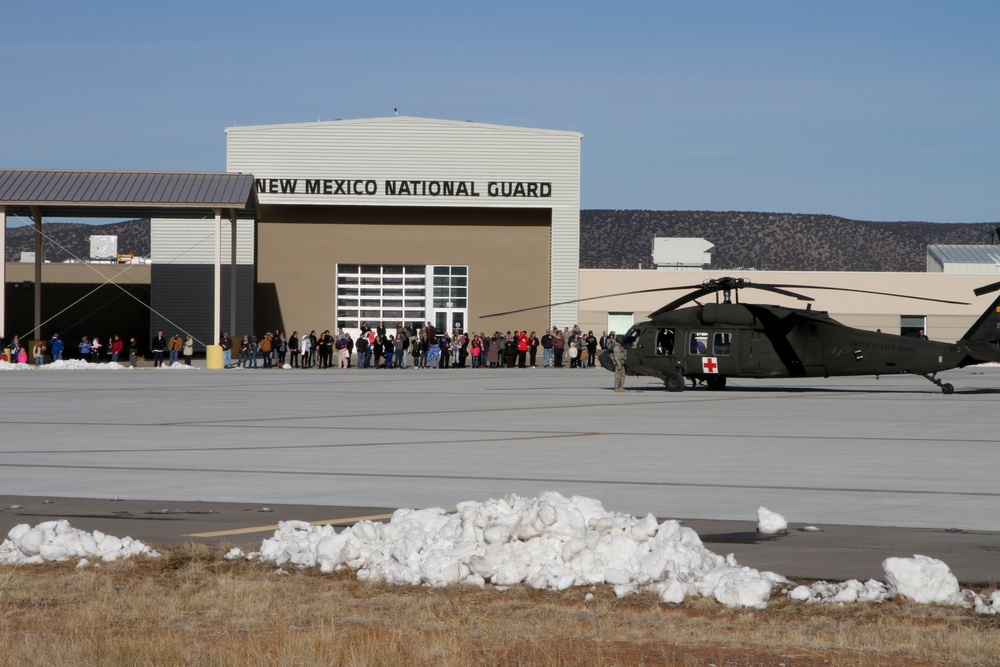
<point>102,194</point>
<point>403,120</point>
<point>966,254</point>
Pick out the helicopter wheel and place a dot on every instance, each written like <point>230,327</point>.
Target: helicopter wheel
<point>674,382</point>
<point>716,382</point>
<point>947,388</point>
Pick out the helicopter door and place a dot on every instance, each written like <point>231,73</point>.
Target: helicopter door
<point>722,344</point>
<point>715,349</point>
<point>698,343</point>
<point>647,342</point>
<point>664,342</point>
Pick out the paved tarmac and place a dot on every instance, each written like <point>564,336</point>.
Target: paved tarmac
<point>886,467</point>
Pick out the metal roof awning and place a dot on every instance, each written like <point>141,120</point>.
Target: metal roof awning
<point>108,194</point>
<point>40,193</point>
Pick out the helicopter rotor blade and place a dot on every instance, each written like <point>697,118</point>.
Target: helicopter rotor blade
<point>592,298</point>
<point>986,289</point>
<point>864,291</point>
<point>687,298</point>
<point>777,290</point>
<point>735,284</point>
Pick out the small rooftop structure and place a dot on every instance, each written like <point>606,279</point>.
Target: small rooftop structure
<point>681,254</point>
<point>104,248</point>
<point>981,259</point>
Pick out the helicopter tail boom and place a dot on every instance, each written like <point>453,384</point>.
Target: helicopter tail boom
<point>982,340</point>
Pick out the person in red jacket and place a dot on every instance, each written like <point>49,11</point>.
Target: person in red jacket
<point>522,349</point>
<point>117,346</point>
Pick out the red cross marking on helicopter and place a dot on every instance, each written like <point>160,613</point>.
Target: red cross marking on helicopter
<point>709,365</point>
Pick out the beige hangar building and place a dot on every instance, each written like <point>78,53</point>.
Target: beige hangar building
<point>396,219</point>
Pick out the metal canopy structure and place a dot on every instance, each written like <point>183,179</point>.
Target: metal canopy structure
<point>38,193</point>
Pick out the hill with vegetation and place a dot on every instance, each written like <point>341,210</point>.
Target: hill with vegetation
<point>64,241</point>
<point>623,239</point>
<point>770,241</point>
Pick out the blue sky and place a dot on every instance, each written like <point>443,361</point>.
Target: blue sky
<point>872,110</point>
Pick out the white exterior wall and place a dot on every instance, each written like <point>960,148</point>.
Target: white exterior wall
<point>192,241</point>
<point>373,151</point>
<point>971,269</point>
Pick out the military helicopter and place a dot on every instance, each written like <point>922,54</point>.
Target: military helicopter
<point>711,342</point>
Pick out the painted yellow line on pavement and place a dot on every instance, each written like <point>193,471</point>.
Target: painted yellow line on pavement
<point>266,529</point>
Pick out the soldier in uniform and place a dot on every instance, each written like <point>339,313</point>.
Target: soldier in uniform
<point>618,355</point>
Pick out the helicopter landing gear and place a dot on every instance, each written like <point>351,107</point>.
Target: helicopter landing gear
<point>674,381</point>
<point>946,387</point>
<point>716,382</point>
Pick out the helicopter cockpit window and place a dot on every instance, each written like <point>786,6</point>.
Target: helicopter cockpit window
<point>665,341</point>
<point>722,344</point>
<point>631,338</point>
<point>699,343</point>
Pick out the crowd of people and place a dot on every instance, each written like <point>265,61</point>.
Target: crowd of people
<point>92,350</point>
<point>415,346</point>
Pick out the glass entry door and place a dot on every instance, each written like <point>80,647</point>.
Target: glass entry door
<point>450,297</point>
<point>449,321</point>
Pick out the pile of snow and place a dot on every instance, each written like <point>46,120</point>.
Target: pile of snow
<point>59,541</point>
<point>770,523</point>
<point>65,365</point>
<point>83,365</point>
<point>841,592</point>
<point>549,542</point>
<point>8,366</point>
<point>552,542</point>
<point>922,579</point>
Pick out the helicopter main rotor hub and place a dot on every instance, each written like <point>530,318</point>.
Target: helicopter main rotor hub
<point>726,286</point>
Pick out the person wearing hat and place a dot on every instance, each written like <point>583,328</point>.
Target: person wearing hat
<point>56,347</point>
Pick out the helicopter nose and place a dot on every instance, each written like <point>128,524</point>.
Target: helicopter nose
<point>606,361</point>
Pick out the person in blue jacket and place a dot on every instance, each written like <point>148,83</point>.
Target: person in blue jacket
<point>56,347</point>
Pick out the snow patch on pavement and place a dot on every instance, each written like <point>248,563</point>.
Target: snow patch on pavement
<point>770,523</point>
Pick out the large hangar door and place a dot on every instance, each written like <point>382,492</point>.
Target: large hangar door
<point>392,294</point>
<point>373,293</point>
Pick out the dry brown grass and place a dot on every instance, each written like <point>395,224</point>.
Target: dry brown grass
<point>192,607</point>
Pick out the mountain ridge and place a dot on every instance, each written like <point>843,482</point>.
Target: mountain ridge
<point>622,239</point>
<point>618,239</point>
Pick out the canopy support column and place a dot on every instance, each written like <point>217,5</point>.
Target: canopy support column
<point>3,273</point>
<point>37,215</point>
<point>232,273</point>
<point>217,284</point>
